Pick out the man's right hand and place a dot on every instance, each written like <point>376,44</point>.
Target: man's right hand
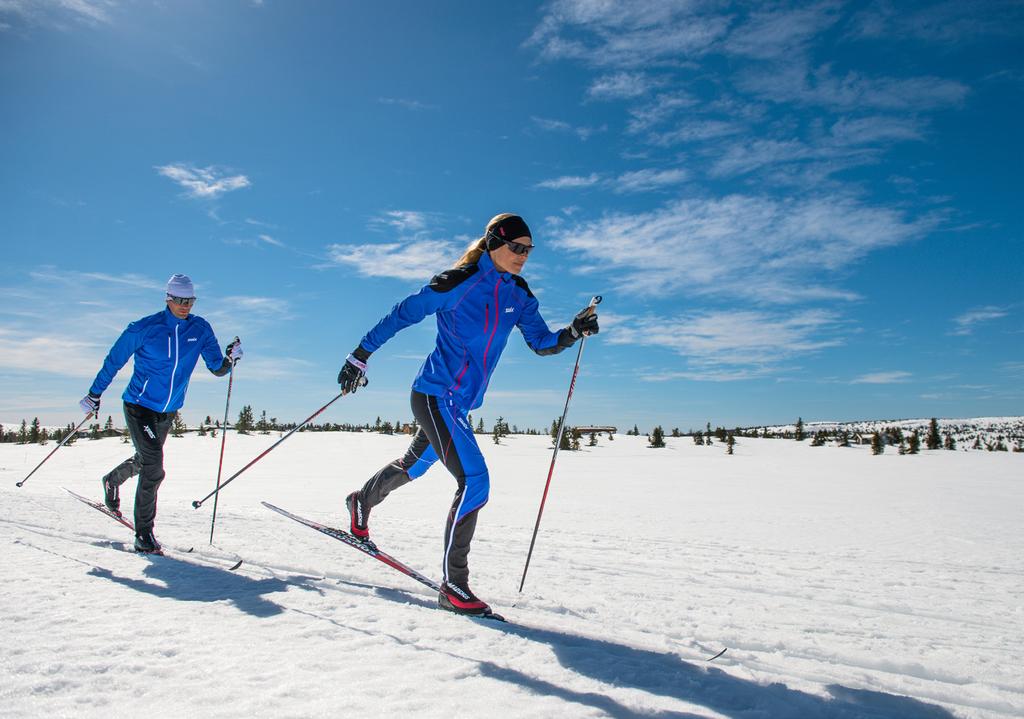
<point>90,404</point>
<point>353,374</point>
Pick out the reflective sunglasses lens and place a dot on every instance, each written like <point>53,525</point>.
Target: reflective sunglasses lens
<point>519,248</point>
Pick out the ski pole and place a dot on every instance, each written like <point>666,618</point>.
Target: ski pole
<point>199,502</point>
<point>558,441</point>
<point>71,434</point>
<point>223,439</point>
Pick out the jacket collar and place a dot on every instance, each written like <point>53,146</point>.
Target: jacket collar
<point>170,320</point>
<point>487,265</point>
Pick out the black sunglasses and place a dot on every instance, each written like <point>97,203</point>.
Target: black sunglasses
<point>183,301</point>
<point>517,247</point>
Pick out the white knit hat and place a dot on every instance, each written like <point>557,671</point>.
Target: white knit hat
<point>180,286</point>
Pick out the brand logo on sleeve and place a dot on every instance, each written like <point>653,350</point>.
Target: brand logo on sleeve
<point>509,310</point>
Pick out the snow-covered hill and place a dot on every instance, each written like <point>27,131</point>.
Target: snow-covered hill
<point>970,433</point>
<point>843,585</point>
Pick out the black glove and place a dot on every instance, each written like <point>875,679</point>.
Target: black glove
<point>90,404</point>
<point>234,350</point>
<point>353,374</point>
<point>584,324</point>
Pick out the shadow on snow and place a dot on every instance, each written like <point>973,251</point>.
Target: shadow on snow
<point>665,674</point>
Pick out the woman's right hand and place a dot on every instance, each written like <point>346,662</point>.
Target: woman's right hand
<point>353,374</point>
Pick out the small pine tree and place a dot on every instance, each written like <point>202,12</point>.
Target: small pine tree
<point>43,436</point>
<point>915,443</point>
<point>94,431</point>
<point>23,432</point>
<point>636,431</point>
<point>263,426</point>
<point>575,444</point>
<point>202,429</point>
<point>244,425</point>
<point>902,449</point>
<point>33,431</point>
<point>933,441</point>
<point>698,439</point>
<point>593,440</point>
<point>950,443</point>
<point>480,426</point>
<point>496,433</point>
<point>818,440</point>
<point>800,429</point>
<point>178,426</point>
<point>877,445</point>
<point>729,444</point>
<point>554,431</point>
<point>657,437</point>
<point>675,432</point>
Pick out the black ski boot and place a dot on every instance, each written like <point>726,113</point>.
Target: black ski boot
<point>112,496</point>
<point>359,518</point>
<point>145,543</point>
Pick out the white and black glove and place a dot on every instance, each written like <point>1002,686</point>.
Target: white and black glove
<point>585,323</point>
<point>234,350</point>
<point>90,404</point>
<point>353,374</point>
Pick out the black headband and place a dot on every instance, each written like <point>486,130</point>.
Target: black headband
<point>511,228</point>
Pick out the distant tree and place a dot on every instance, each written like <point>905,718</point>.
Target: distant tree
<point>108,428</point>
<point>729,444</point>
<point>933,441</point>
<point>698,438</point>
<point>843,438</point>
<point>950,443</point>
<point>575,444</point>
<point>263,426</point>
<point>708,439</point>
<point>566,442</point>
<point>178,425</point>
<point>800,429</point>
<point>244,424</point>
<point>43,436</point>
<point>977,443</point>
<point>593,440</point>
<point>915,443</point>
<point>902,448</point>
<point>496,433</point>
<point>877,444</point>
<point>554,431</point>
<point>376,425</point>
<point>1000,446</point>
<point>23,433</point>
<point>94,431</point>
<point>675,432</point>
<point>480,426</point>
<point>387,428</point>
<point>818,440</point>
<point>74,435</point>
<point>657,437</point>
<point>202,429</point>
<point>33,431</point>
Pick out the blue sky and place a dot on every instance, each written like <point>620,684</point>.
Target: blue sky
<point>790,209</point>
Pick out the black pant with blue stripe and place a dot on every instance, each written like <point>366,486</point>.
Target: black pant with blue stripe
<point>444,433</point>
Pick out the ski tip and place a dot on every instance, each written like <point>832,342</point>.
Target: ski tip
<point>237,565</point>
<point>189,550</point>
<point>718,655</point>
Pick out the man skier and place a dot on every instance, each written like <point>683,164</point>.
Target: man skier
<point>166,347</point>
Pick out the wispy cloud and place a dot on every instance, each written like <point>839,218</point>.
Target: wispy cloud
<point>944,22</point>
<point>56,13</point>
<point>402,221</point>
<point>894,377</point>
<point>78,278</point>
<point>621,86</point>
<point>416,260</point>
<point>203,182</point>
<point>406,103</point>
<point>964,324</point>
<point>754,247</point>
<point>570,182</point>
<point>550,125</point>
<point>31,352</point>
<point>635,181</point>
<point>731,345</point>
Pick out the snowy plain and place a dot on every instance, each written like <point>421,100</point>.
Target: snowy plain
<point>842,584</point>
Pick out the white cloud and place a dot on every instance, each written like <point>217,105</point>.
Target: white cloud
<point>550,125</point>
<point>406,103</point>
<point>647,180</point>
<point>271,241</point>
<point>853,91</point>
<point>625,33</point>
<point>965,323</point>
<point>203,182</point>
<point>404,221</point>
<point>417,260</point>
<point>894,377</point>
<point>22,351</point>
<point>730,345</point>
<point>772,250</point>
<point>570,182</point>
<point>782,32</point>
<point>620,86</point>
<point>55,13</point>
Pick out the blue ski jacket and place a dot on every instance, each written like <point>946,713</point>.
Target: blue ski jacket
<point>477,307</point>
<point>166,350</point>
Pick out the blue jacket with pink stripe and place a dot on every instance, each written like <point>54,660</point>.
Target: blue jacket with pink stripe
<point>477,306</point>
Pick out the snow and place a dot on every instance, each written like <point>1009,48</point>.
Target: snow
<point>843,585</point>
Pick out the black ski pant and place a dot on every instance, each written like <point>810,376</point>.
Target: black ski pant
<point>148,430</point>
<point>444,434</point>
